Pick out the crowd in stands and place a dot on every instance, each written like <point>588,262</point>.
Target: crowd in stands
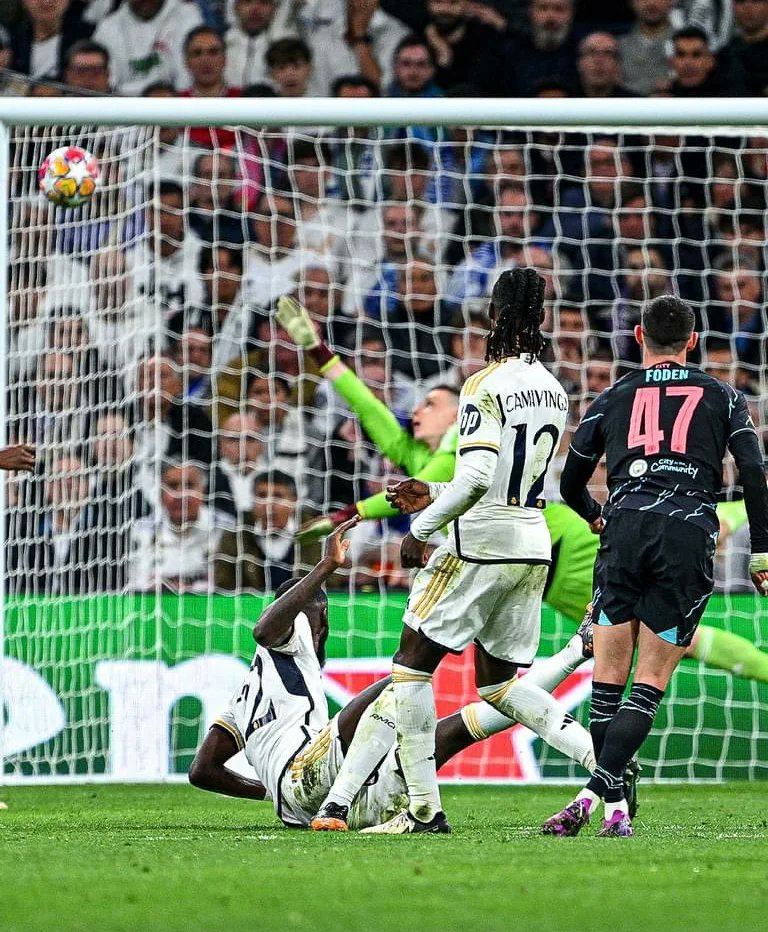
<point>183,437</point>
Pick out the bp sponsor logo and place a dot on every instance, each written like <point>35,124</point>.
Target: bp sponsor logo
<point>470,420</point>
<point>638,468</point>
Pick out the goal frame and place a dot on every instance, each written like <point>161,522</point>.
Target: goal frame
<point>727,116</point>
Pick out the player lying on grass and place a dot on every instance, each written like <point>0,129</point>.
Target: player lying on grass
<point>429,454</point>
<point>280,719</point>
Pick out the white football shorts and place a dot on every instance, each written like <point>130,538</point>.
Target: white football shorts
<point>498,605</point>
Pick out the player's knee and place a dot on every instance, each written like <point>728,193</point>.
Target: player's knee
<point>498,694</point>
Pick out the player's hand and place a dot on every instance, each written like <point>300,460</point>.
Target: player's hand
<point>598,525</point>
<point>295,320</point>
<point>323,525</point>
<point>22,456</point>
<point>413,553</point>
<point>409,496</point>
<point>758,570</point>
<point>336,548</point>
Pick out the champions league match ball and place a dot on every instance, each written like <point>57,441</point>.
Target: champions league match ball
<point>69,176</point>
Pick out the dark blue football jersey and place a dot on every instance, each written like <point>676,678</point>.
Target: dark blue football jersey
<point>664,431</point>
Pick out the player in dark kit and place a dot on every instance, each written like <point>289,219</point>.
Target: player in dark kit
<point>664,431</point>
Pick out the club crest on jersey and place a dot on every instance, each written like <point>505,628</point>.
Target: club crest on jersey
<point>470,420</point>
<point>638,468</point>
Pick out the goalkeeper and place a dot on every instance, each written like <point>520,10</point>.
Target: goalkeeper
<point>431,457</point>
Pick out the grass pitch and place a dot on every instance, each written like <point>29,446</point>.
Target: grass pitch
<point>109,858</point>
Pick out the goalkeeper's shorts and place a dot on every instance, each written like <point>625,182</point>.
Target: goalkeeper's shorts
<point>496,605</point>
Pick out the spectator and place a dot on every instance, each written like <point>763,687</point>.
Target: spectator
<point>586,211</point>
<point>288,441</point>
<point>115,503</point>
<point>547,52</point>
<point>193,356</point>
<point>44,32</point>
<point>205,58</point>
<point>696,70</point>
<point>571,345</point>
<point>599,67</point>
<point>750,47</point>
<point>417,328</point>
<point>741,312</point>
<point>516,223</point>
<point>466,50</point>
<point>215,214</point>
<point>348,38</point>
<point>175,549</point>
<point>322,225</point>
<point>224,314</point>
<point>145,40</point>
<point>122,325</point>
<point>257,24</point>
<point>643,50</point>
<point>413,70</point>
<point>241,458</point>
<point>467,338</point>
<point>354,149</point>
<point>260,556</point>
<point>273,257</point>
<point>171,162</point>
<point>56,418</point>
<point>290,67</point>
<point>87,67</point>
<point>316,289</point>
<point>167,427</point>
<point>48,552</point>
<point>173,274</point>
<point>374,291</point>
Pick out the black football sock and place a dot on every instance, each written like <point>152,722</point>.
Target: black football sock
<point>623,738</point>
<point>606,698</point>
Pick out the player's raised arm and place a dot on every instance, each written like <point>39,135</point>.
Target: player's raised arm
<point>745,449</point>
<point>583,456</point>
<point>275,626</point>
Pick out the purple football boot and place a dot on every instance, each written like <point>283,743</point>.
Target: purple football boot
<point>569,821</point>
<point>618,826</point>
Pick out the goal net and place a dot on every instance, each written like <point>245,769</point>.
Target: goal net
<point>183,440</point>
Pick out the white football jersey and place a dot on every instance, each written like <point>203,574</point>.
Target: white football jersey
<point>517,410</point>
<point>279,709</point>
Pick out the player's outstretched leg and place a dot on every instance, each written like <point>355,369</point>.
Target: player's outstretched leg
<point>373,737</point>
<point>550,672</point>
<point>725,650</point>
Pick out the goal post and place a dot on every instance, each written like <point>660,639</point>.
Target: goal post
<point>184,438</point>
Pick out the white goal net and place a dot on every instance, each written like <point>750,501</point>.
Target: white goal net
<point>183,440</point>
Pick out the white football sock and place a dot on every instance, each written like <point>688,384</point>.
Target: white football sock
<point>620,806</point>
<point>416,723</point>
<point>591,797</point>
<point>549,672</point>
<point>529,704</point>
<point>374,736</point>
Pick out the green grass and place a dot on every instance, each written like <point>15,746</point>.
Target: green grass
<point>108,858</point>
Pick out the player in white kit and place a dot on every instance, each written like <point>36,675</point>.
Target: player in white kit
<point>485,584</point>
<point>279,718</point>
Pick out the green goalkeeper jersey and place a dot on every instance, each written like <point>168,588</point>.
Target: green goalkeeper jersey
<point>574,546</point>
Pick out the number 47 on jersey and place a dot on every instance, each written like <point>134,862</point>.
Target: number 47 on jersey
<point>646,422</point>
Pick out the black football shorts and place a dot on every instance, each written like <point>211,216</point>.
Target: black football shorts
<point>656,569</point>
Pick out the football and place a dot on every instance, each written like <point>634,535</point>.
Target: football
<point>69,176</point>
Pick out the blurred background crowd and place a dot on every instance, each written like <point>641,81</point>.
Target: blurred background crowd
<point>183,437</point>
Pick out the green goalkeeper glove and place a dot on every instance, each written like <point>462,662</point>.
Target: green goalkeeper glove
<point>316,528</point>
<point>758,563</point>
<point>295,319</point>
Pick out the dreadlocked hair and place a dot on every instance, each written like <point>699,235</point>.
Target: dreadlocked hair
<point>518,301</point>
